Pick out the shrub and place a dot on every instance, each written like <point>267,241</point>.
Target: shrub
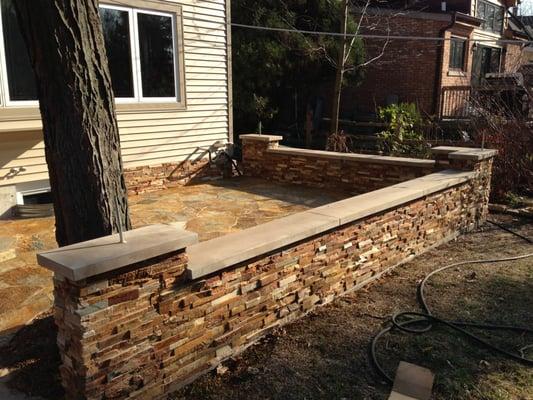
<point>499,123</point>
<point>403,136</point>
<point>513,166</point>
<point>339,142</point>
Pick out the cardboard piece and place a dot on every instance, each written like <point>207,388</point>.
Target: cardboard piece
<point>412,382</point>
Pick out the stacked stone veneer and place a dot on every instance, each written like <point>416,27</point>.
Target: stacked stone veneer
<point>145,329</point>
<point>354,173</point>
<point>151,178</point>
<point>111,333</point>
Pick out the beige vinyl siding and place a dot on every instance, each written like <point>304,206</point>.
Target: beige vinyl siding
<point>150,138</point>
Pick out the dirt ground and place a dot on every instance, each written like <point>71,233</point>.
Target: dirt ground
<point>325,355</point>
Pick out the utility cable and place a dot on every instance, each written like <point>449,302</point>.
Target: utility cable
<point>350,35</point>
<point>422,322</point>
<point>227,23</point>
<point>372,36</point>
<point>510,231</point>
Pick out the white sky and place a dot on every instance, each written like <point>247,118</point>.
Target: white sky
<point>526,8</point>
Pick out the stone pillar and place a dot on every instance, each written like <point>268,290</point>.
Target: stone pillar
<point>470,159</point>
<point>253,152</point>
<point>107,306</point>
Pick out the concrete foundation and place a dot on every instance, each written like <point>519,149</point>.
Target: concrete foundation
<point>8,199</point>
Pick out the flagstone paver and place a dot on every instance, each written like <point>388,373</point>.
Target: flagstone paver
<point>210,209</point>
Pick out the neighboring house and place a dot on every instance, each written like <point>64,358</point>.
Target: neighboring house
<point>171,74</point>
<point>433,74</point>
<point>527,23</point>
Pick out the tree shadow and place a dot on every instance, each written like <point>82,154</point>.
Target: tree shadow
<point>32,357</point>
<point>288,193</point>
<point>325,355</point>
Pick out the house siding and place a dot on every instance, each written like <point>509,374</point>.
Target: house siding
<point>151,138</point>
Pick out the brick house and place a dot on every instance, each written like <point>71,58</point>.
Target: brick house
<point>434,73</point>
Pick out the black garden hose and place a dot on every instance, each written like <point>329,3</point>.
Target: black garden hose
<point>422,322</point>
<point>510,231</point>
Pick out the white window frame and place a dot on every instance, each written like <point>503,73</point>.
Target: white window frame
<point>138,97</point>
<point>136,55</point>
<point>133,99</point>
<point>5,100</point>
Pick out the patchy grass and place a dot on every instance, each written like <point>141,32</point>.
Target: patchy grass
<point>325,355</point>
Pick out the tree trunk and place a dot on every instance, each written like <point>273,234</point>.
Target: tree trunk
<point>67,50</point>
<point>335,111</point>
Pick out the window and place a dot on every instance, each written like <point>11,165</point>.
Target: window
<point>116,29</point>
<point>142,49</point>
<point>142,53</point>
<point>492,15</point>
<point>486,60</point>
<point>457,53</point>
<point>495,60</point>
<point>18,78</point>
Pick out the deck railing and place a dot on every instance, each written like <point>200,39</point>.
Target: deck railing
<point>455,102</point>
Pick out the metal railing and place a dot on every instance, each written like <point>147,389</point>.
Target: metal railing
<point>455,102</point>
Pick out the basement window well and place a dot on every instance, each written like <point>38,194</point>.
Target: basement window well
<point>34,205</point>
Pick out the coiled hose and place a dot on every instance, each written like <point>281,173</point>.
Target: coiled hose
<point>421,322</point>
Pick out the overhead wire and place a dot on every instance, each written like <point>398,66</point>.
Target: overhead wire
<point>359,35</point>
<point>338,34</point>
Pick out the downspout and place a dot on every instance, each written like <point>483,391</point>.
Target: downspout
<point>440,66</point>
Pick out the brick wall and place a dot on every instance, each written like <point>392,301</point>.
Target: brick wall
<point>336,173</point>
<point>407,69</point>
<point>513,58</point>
<point>412,70</point>
<point>451,77</point>
<point>144,331</point>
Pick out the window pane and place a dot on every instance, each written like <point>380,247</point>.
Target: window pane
<point>498,20</point>
<point>156,48</point>
<point>490,16</point>
<point>495,57</point>
<point>457,53</point>
<point>20,77</point>
<point>481,13</point>
<point>453,46</point>
<point>116,27</point>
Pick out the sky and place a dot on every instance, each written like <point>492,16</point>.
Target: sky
<point>526,8</point>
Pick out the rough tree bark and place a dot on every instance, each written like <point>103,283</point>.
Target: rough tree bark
<point>67,50</point>
<point>339,76</point>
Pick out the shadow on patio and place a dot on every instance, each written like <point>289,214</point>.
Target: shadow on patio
<point>325,354</point>
<point>209,208</point>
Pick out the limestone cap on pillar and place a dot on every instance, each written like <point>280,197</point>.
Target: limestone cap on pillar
<point>94,257</point>
<point>464,153</point>
<point>261,138</point>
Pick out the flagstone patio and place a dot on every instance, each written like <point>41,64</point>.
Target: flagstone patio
<point>211,209</point>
